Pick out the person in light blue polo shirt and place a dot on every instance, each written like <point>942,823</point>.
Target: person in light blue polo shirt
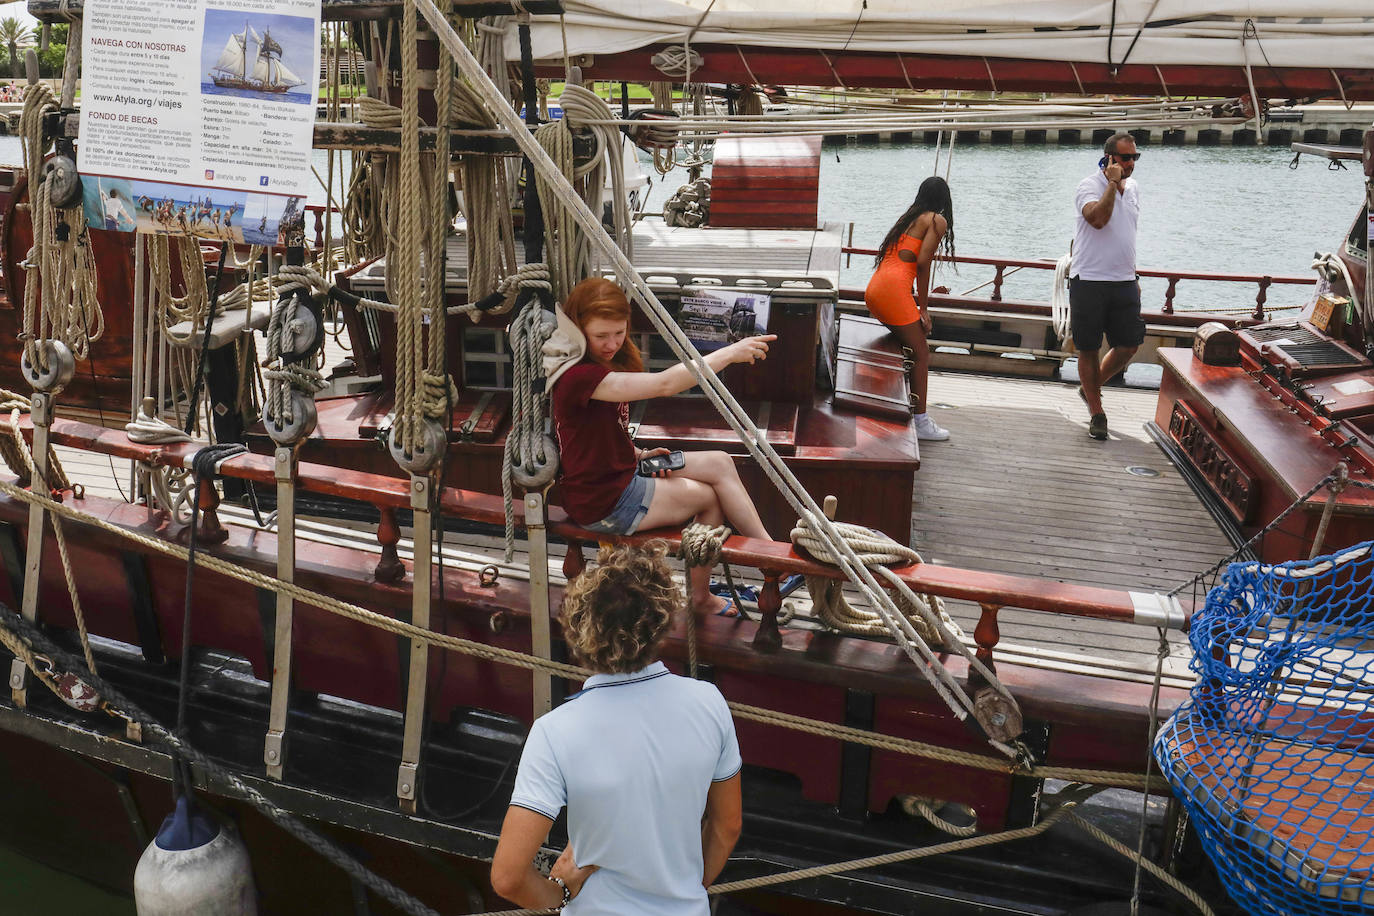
<point>645,761</point>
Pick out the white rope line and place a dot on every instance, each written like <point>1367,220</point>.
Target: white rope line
<point>950,691</point>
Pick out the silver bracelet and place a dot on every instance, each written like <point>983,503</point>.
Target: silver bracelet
<point>567,894</point>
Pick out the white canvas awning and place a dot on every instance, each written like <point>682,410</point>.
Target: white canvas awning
<point>1319,33</point>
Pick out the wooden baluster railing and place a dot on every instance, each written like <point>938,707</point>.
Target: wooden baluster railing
<point>319,227</point>
<point>389,567</point>
<point>997,283</point>
<point>1263,295</point>
<point>768,638</point>
<point>211,530</point>
<point>573,561</point>
<point>1169,296</point>
<point>986,635</point>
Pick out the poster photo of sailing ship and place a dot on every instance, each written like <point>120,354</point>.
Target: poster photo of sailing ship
<point>266,216</point>
<point>257,55</point>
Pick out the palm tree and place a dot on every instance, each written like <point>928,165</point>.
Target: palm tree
<point>14,34</point>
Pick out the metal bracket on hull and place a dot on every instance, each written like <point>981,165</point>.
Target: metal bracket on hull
<point>422,584</point>
<point>42,413</point>
<point>541,642</point>
<point>274,748</point>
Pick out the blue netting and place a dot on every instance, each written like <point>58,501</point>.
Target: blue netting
<point>1273,752</point>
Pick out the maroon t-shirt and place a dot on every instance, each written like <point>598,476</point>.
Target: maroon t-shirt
<point>595,451</point>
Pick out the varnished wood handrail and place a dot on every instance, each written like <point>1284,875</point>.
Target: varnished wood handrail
<point>773,557</point>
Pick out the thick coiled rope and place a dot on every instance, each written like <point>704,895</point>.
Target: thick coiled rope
<point>926,613</point>
<point>582,107</point>
<point>701,546</point>
<point>690,205</point>
<point>486,204</point>
<point>530,459</point>
<point>568,252</point>
<point>60,286</point>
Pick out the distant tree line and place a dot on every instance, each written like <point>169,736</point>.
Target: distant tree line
<point>16,38</point>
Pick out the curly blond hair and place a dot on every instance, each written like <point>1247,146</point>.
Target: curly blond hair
<point>616,614</point>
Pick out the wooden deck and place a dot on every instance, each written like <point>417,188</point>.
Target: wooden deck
<point>1019,488</point>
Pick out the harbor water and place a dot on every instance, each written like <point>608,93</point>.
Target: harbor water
<point>1204,209</point>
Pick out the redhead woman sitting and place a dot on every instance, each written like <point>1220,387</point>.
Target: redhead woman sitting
<point>595,370</point>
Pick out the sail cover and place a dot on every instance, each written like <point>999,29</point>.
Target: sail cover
<point>1299,33</point>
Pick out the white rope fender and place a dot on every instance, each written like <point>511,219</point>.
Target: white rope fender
<point>1059,298</point>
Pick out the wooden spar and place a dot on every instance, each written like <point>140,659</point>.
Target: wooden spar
<point>777,66</point>
<point>388,492</point>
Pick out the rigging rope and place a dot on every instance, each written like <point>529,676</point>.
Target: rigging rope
<point>721,399</point>
<point>530,458</point>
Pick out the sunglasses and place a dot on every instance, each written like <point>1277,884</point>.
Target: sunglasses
<point>1127,157</point>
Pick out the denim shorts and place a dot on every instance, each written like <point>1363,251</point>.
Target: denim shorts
<point>629,510</point>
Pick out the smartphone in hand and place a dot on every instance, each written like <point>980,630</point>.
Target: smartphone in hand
<point>673,461</point>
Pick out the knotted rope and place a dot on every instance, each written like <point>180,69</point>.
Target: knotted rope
<point>530,459</point>
<point>701,546</point>
<point>690,205</point>
<point>60,290</point>
<point>926,613</point>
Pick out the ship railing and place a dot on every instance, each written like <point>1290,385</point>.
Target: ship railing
<point>992,592</point>
<point>1004,267</point>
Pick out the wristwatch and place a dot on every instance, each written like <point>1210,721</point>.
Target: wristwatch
<point>567,894</point>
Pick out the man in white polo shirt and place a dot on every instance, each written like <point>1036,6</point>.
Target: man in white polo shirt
<point>1104,294</point>
<point>645,761</point>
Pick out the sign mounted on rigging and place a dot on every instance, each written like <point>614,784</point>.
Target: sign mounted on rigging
<point>198,119</point>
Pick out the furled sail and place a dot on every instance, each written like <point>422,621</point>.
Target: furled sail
<point>269,70</point>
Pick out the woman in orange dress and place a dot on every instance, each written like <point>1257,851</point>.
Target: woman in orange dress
<point>903,261</point>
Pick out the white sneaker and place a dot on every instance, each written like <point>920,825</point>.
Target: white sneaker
<point>926,429</point>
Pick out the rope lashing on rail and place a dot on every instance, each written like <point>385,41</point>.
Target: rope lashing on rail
<point>554,183</point>
<point>874,550</point>
<point>60,300</point>
<point>676,61</point>
<point>701,545</point>
<point>15,451</point>
<point>529,662</point>
<point>530,459</point>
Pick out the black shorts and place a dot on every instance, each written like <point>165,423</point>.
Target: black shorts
<point>1105,306</point>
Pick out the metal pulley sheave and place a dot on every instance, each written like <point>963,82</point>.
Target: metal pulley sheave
<point>56,366</point>
<point>295,423</point>
<point>537,470</point>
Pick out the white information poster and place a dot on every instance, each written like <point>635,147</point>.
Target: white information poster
<point>197,115</point>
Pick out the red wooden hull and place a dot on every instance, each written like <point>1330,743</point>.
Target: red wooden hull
<point>1093,723</point>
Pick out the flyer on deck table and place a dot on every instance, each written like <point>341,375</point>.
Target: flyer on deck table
<point>197,116</point>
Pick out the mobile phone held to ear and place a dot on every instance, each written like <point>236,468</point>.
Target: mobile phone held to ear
<point>673,461</point>
<point>1102,163</point>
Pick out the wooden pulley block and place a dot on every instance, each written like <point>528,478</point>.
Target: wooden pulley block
<point>998,716</point>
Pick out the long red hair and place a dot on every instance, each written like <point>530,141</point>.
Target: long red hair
<point>600,298</point>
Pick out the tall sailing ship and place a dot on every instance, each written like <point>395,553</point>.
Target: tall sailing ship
<point>379,686</point>
<point>267,73</point>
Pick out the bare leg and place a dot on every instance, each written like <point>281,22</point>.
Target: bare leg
<point>717,470</point>
<point>1089,377</point>
<point>1092,372</point>
<point>677,499</point>
<point>913,337</point>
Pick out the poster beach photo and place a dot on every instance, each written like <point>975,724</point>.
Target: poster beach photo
<point>258,55</point>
